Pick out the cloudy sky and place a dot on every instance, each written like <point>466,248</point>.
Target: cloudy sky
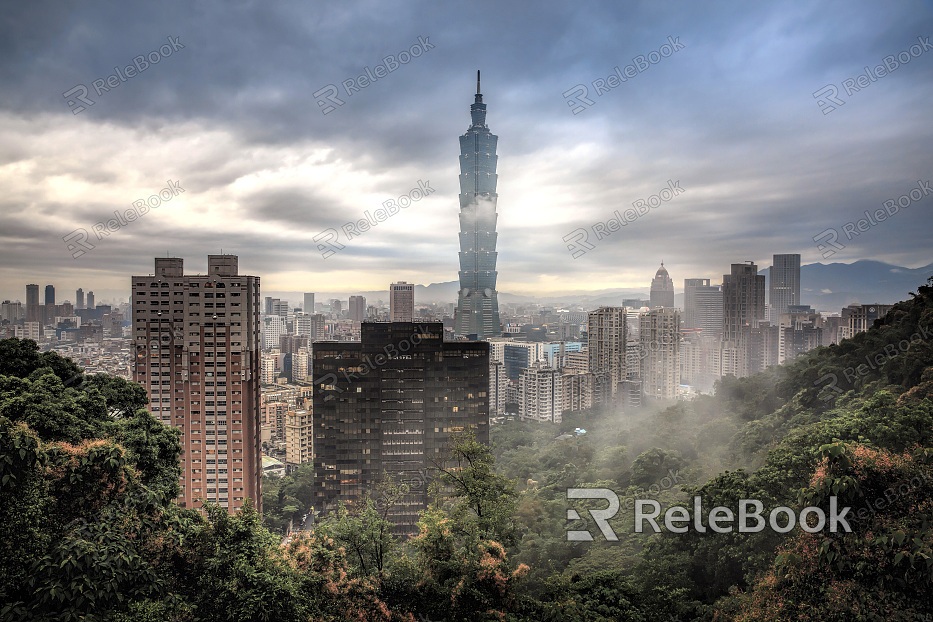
<point>231,113</point>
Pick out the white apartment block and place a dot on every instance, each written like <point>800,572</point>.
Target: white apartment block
<point>540,394</point>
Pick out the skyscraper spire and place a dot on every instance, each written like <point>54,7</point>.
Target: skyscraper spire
<point>477,303</point>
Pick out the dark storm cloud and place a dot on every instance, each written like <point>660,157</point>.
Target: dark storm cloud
<point>731,115</point>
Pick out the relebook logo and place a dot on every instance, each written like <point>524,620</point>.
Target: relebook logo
<point>720,519</point>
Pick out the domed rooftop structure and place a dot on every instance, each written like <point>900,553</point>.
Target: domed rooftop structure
<point>662,289</point>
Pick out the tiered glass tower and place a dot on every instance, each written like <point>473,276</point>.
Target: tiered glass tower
<point>477,304</point>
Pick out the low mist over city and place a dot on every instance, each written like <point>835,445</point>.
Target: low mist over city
<point>427,312</point>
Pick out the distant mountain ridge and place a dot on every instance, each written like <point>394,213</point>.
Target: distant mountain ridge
<point>830,287</point>
<point>825,287</point>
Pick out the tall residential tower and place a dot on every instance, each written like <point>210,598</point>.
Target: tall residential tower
<point>478,304</point>
<point>197,354</point>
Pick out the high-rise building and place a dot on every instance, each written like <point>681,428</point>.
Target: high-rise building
<point>386,405</point>
<point>198,355</point>
<point>301,364</point>
<point>783,284</point>
<point>273,327</point>
<point>308,305</point>
<point>273,418</point>
<point>477,300</point>
<point>662,289</point>
<point>521,355</point>
<point>12,312</point>
<point>90,301</point>
<point>606,335</point>
<point>540,397</point>
<point>659,341</point>
<point>498,388</point>
<point>358,308</point>
<point>298,437</point>
<point>310,325</point>
<point>401,302</point>
<point>743,308</point>
<point>32,303</point>
<point>743,299</point>
<point>576,390</point>
<point>858,318</point>
<point>79,298</point>
<point>699,361</point>
<point>50,295</point>
<point>336,308</point>
<point>702,308</point>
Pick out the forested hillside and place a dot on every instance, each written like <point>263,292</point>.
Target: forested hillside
<point>89,529</point>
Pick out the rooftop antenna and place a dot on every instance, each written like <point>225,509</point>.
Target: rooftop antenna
<point>477,83</point>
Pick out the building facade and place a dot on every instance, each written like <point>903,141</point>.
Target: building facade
<point>401,302</point>
<point>298,437</point>
<point>198,355</point>
<point>783,284</point>
<point>387,405</point>
<point>498,388</point>
<point>357,308</point>
<point>540,397</point>
<point>659,341</point>
<point>477,300</point>
<point>662,289</point>
<point>606,346</point>
<point>743,308</point>
<point>702,308</point>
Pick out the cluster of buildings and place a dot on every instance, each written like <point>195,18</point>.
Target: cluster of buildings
<point>653,349</point>
<point>370,392</point>
<point>94,335</point>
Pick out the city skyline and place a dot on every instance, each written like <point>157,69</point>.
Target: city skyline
<point>255,166</point>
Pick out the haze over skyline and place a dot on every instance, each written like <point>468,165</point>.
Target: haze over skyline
<point>234,120</point>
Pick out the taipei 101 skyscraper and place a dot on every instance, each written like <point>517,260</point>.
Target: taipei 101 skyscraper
<point>477,304</point>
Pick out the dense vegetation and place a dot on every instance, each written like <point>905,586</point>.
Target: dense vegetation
<point>89,529</point>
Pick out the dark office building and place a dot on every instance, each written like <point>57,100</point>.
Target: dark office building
<point>50,295</point>
<point>388,404</point>
<point>32,303</point>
